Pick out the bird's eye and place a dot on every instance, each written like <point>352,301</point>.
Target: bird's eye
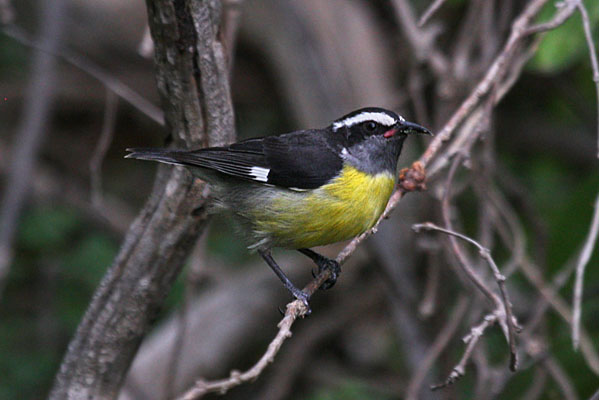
<point>370,126</point>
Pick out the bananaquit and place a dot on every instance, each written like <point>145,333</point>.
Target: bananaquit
<point>306,188</point>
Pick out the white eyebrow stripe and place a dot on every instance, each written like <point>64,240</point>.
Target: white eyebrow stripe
<point>260,174</point>
<point>381,118</point>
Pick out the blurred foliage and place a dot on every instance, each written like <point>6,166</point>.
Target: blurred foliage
<point>60,260</point>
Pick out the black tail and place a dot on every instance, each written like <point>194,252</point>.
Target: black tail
<point>154,154</point>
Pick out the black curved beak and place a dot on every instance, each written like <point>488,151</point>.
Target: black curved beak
<point>410,127</point>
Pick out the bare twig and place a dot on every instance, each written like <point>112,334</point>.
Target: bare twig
<point>486,255</point>
<point>95,162</point>
<point>294,310</point>
<point>566,10</point>
<point>349,309</point>
<point>583,260</point>
<point>471,340</point>
<point>440,343</point>
<point>92,69</point>
<point>429,12</point>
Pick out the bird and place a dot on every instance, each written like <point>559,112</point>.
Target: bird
<point>305,188</point>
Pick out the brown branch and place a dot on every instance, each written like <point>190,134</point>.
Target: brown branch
<point>194,87</point>
<point>583,260</point>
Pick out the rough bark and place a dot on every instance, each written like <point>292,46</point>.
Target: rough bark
<point>193,84</point>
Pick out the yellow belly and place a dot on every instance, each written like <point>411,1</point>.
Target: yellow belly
<point>340,210</point>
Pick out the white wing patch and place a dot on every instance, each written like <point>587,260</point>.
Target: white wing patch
<point>260,174</point>
<point>379,117</point>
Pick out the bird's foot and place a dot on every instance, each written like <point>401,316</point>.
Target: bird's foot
<point>301,296</point>
<point>334,267</point>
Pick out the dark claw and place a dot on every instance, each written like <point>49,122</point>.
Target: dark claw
<point>281,310</point>
<point>335,269</point>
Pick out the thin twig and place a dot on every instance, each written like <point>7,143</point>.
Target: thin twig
<point>500,279</point>
<point>583,260</point>
<point>566,10</point>
<point>429,12</point>
<point>294,310</point>
<point>92,69</point>
<point>471,340</point>
<point>95,162</point>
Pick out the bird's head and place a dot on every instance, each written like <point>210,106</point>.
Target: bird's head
<point>373,137</point>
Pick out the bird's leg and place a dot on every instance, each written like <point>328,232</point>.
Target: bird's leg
<point>297,293</point>
<point>324,264</point>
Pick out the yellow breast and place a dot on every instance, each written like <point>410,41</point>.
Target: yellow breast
<point>339,210</point>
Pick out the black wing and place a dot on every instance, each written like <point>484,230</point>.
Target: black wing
<point>300,160</point>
